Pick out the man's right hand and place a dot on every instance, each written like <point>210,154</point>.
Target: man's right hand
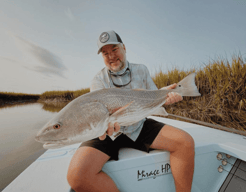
<point>111,129</point>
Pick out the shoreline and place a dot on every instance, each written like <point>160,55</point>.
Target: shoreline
<point>14,102</point>
<point>23,101</point>
<point>16,98</point>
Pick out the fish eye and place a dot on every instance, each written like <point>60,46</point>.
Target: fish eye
<point>57,126</point>
<point>179,85</point>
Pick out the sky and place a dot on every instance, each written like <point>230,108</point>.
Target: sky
<point>48,45</point>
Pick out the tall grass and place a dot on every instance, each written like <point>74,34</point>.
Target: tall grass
<point>11,96</point>
<point>223,88</point>
<point>63,95</point>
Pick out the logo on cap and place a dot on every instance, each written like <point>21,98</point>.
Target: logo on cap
<point>104,37</point>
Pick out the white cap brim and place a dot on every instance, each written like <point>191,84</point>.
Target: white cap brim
<point>109,43</point>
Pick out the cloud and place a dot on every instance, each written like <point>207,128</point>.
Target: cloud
<point>53,65</point>
<point>47,71</point>
<point>9,59</point>
<point>69,13</point>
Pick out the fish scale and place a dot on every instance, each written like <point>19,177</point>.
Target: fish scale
<point>115,97</point>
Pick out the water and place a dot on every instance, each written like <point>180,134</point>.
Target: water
<point>18,126</point>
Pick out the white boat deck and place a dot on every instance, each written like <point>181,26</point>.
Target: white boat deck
<point>48,172</point>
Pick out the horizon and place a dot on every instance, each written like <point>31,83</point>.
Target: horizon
<point>51,46</point>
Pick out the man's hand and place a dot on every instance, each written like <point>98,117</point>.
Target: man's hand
<point>111,129</point>
<point>172,97</point>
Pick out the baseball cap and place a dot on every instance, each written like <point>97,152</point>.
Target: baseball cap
<point>106,38</point>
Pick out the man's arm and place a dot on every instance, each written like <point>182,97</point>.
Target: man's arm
<point>149,81</point>
<point>172,97</point>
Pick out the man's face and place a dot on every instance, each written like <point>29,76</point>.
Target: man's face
<point>114,57</point>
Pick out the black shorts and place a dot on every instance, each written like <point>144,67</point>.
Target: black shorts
<point>150,130</point>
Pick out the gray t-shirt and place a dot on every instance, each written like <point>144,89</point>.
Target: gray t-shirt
<point>140,79</point>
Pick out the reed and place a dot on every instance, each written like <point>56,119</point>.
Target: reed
<point>6,97</point>
<point>63,95</point>
<point>222,85</point>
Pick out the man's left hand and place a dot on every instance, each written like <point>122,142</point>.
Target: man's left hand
<point>172,97</point>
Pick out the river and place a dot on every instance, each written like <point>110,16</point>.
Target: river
<point>18,126</point>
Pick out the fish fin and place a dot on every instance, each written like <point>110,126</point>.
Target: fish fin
<point>188,86</point>
<point>160,111</point>
<point>121,110</point>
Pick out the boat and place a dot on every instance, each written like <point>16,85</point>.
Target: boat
<point>220,165</point>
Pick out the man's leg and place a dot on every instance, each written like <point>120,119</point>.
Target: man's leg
<point>85,171</point>
<point>181,147</point>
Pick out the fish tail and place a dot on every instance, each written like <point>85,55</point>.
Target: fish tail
<point>187,86</point>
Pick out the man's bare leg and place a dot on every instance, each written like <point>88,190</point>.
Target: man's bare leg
<point>84,172</point>
<point>181,147</point>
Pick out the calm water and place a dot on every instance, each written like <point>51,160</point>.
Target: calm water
<point>18,149</point>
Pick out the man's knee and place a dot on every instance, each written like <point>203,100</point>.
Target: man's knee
<point>187,141</point>
<point>78,180</point>
<point>85,164</point>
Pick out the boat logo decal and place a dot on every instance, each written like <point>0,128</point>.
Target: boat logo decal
<point>143,174</point>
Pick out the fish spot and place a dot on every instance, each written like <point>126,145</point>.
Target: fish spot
<point>57,126</point>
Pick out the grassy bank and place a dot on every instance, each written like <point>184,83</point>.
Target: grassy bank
<point>10,97</point>
<point>222,84</point>
<point>57,96</point>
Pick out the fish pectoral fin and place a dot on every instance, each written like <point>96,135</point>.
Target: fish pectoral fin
<point>121,110</point>
<point>160,111</point>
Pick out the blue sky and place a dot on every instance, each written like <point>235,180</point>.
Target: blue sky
<point>52,45</point>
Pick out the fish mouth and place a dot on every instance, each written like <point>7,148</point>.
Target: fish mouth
<point>53,144</point>
<point>60,141</point>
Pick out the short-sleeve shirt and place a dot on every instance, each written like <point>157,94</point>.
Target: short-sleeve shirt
<point>140,79</point>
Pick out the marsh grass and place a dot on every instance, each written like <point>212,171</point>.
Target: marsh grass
<point>222,85</point>
<point>63,95</point>
<point>54,101</point>
<point>8,98</point>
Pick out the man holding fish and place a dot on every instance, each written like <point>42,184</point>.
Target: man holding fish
<point>84,173</point>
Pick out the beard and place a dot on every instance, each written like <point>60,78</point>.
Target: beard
<point>119,67</point>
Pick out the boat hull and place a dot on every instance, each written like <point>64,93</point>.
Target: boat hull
<point>140,171</point>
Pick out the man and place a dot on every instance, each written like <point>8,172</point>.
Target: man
<point>84,173</point>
